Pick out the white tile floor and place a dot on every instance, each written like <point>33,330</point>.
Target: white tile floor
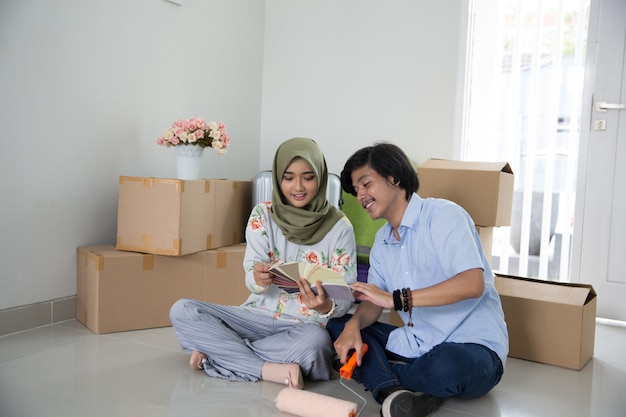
<point>66,370</point>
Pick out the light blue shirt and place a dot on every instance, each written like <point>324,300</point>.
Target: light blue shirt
<point>438,240</point>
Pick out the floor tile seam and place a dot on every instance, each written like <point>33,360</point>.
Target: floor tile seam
<point>151,333</point>
<point>27,330</point>
<point>56,347</point>
<point>56,324</point>
<point>616,363</point>
<point>86,356</point>
<point>169,349</point>
<point>32,373</point>
<point>83,356</point>
<point>66,325</point>
<point>459,411</point>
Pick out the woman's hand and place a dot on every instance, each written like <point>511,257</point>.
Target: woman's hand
<point>261,276</point>
<point>373,294</point>
<point>318,302</point>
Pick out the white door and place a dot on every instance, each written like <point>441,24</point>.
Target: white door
<point>599,246</point>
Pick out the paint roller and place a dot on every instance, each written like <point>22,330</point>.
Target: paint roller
<point>311,404</point>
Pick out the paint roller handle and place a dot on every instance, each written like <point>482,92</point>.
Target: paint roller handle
<point>346,370</point>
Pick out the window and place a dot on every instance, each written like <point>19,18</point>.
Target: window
<point>526,65</point>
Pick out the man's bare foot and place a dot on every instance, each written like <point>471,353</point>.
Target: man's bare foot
<point>195,362</point>
<point>283,373</point>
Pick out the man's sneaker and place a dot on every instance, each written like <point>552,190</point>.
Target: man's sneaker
<point>405,403</point>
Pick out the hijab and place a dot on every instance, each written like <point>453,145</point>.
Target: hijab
<point>307,225</point>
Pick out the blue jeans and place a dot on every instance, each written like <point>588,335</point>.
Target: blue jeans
<point>465,370</point>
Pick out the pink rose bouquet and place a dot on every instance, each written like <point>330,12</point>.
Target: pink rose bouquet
<point>194,131</point>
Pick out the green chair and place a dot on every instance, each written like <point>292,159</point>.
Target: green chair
<point>364,230</point>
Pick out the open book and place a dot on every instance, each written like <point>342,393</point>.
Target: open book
<point>286,275</point>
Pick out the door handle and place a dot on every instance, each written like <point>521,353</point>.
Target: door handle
<point>604,106</point>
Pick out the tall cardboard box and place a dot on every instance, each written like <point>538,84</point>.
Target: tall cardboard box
<point>483,189</point>
<point>232,210</point>
<point>179,217</point>
<point>119,291</point>
<point>549,322</point>
<point>486,239</point>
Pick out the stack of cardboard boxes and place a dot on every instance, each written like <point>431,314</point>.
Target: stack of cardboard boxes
<point>548,322</point>
<point>175,239</point>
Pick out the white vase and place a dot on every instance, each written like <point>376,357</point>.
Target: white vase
<point>188,161</point>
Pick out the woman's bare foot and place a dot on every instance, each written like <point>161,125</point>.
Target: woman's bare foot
<point>195,362</point>
<point>283,373</point>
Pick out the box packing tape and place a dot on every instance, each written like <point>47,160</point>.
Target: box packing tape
<point>98,261</point>
<point>148,263</point>
<point>146,241</point>
<point>222,259</point>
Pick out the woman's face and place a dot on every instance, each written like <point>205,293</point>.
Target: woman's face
<point>299,184</point>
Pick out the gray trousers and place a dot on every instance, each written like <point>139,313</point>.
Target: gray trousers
<point>238,342</point>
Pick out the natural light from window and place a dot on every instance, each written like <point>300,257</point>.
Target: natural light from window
<point>526,66</point>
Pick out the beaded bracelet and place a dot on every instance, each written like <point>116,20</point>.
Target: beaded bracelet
<point>397,301</point>
<point>410,298</point>
<point>405,303</point>
<point>405,300</point>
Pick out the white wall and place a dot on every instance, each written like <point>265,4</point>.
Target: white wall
<point>86,87</point>
<point>351,72</point>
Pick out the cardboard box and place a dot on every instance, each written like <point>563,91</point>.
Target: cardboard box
<point>225,277</point>
<point>486,238</point>
<point>549,322</point>
<point>121,291</point>
<point>180,217</point>
<point>483,189</point>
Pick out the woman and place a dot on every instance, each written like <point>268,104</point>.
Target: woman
<point>275,335</point>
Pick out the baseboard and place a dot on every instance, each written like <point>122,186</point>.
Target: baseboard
<point>17,319</point>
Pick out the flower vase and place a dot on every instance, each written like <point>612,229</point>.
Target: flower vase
<point>188,161</point>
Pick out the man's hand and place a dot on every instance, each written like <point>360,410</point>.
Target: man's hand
<point>373,294</point>
<point>349,339</point>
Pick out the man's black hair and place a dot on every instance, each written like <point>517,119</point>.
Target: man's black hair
<point>388,160</point>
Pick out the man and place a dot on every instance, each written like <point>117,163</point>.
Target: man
<point>428,264</point>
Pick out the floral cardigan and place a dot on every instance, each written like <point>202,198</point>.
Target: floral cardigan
<point>266,243</point>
